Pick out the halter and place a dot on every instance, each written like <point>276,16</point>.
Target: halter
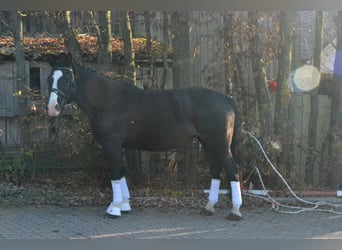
<point>62,96</point>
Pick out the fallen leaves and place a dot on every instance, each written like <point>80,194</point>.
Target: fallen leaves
<point>36,47</point>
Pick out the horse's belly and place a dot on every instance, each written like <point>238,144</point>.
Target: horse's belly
<point>158,141</point>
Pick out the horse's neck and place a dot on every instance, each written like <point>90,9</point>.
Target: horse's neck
<point>80,97</point>
<point>94,95</point>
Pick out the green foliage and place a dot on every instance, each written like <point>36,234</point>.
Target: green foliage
<point>12,170</point>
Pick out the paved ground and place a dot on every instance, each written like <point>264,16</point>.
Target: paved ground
<point>57,222</point>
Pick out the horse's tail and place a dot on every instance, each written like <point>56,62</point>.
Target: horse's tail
<point>237,131</point>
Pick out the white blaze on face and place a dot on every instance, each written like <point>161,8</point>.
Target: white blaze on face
<point>52,111</point>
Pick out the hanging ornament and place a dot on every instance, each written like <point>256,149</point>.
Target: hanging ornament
<point>273,85</point>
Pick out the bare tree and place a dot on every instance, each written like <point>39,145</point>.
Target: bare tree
<point>63,23</point>
<point>260,79</point>
<point>181,46</point>
<point>228,39</point>
<point>22,89</point>
<point>312,151</point>
<point>165,47</point>
<point>105,41</point>
<point>128,46</point>
<point>150,57</point>
<point>18,35</point>
<point>182,77</point>
<point>281,119</point>
<point>21,72</point>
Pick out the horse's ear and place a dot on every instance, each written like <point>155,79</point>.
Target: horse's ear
<point>68,60</point>
<point>52,59</point>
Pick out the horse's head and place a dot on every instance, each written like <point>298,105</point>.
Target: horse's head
<point>61,84</point>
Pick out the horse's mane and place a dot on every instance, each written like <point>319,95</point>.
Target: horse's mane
<point>93,71</point>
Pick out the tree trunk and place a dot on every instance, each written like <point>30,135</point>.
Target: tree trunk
<point>335,134</point>
<point>18,36</point>
<point>312,156</point>
<point>182,77</point>
<point>166,43</point>
<point>228,48</point>
<point>128,47</point>
<point>148,31</point>
<point>22,88</point>
<point>151,84</point>
<point>181,45</point>
<point>261,86</point>
<point>283,95</point>
<point>94,27</point>
<point>70,38</point>
<point>105,41</point>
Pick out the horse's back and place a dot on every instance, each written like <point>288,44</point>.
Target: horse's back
<point>192,106</point>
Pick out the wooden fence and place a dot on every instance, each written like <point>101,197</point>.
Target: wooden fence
<point>208,71</point>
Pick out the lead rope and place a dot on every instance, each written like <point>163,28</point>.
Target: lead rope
<point>275,204</point>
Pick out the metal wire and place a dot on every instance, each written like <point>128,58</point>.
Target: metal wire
<point>276,204</point>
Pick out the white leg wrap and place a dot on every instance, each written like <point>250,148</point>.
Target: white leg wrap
<point>214,190</point>
<point>213,195</point>
<point>124,189</point>
<point>124,205</point>
<point>117,193</point>
<point>236,194</point>
<point>114,207</point>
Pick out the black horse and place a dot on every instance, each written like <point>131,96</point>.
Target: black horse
<point>122,115</point>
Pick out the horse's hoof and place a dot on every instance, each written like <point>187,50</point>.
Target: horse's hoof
<point>113,210</point>
<point>206,212</point>
<point>234,217</point>
<point>110,216</point>
<point>125,207</point>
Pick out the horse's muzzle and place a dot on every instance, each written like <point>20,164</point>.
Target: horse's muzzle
<point>53,110</point>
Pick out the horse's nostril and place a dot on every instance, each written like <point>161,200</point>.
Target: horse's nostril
<point>57,107</point>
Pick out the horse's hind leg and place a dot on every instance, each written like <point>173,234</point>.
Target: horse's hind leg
<point>219,157</point>
<point>213,197</point>
<point>235,190</point>
<point>215,166</point>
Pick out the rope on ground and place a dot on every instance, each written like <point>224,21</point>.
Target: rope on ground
<point>275,204</point>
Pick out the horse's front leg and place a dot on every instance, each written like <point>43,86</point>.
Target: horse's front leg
<point>121,195</point>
